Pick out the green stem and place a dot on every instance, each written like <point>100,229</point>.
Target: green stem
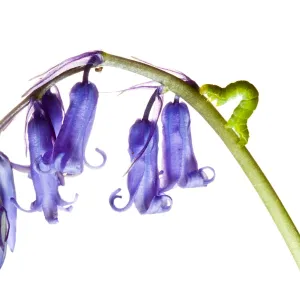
<point>241,154</point>
<point>216,121</point>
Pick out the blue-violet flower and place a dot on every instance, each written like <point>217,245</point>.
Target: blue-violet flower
<point>69,149</point>
<point>8,211</point>
<point>41,139</point>
<point>143,177</point>
<point>179,162</point>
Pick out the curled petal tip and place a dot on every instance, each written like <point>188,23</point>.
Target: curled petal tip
<point>17,205</point>
<point>104,158</point>
<point>204,175</point>
<point>62,203</point>
<point>197,178</point>
<point>112,199</point>
<point>159,204</point>
<point>75,198</point>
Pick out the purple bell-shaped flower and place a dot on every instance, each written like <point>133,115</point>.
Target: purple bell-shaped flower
<point>179,162</point>
<point>8,211</point>
<point>143,176</point>
<point>69,149</point>
<point>41,138</point>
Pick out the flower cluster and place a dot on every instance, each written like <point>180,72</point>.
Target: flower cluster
<point>57,141</point>
<point>146,184</point>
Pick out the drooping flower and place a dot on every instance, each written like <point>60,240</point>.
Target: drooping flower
<point>69,149</point>
<point>179,162</point>
<point>8,212</point>
<point>143,177</point>
<point>41,139</point>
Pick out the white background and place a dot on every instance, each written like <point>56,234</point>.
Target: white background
<point>217,242</point>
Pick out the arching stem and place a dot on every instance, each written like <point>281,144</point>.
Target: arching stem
<point>191,95</point>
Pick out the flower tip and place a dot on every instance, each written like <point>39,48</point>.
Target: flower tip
<point>207,180</point>
<point>51,216</point>
<point>112,199</point>
<point>104,158</point>
<point>159,204</point>
<point>52,220</point>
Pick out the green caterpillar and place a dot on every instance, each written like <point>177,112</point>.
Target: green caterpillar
<point>249,100</point>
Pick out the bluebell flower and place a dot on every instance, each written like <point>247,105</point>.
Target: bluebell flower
<point>143,177</point>
<point>41,138</point>
<point>69,149</point>
<point>179,162</point>
<point>8,211</point>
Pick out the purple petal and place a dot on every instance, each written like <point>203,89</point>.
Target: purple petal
<point>18,206</point>
<point>157,96</point>
<point>143,181</point>
<point>198,178</point>
<point>115,196</point>
<point>41,137</point>
<point>179,162</point>
<point>160,204</point>
<point>69,148</point>
<point>68,64</point>
<point>41,134</point>
<point>7,191</point>
<point>53,106</point>
<point>104,158</point>
<point>178,155</point>
<point>20,168</point>
<point>47,196</point>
